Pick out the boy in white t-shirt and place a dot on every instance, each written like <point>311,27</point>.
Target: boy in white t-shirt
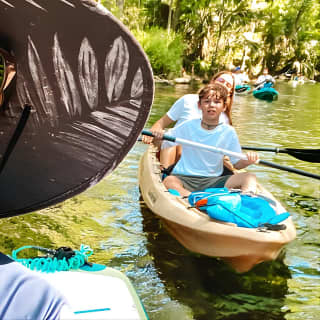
<point>198,169</point>
<point>186,108</point>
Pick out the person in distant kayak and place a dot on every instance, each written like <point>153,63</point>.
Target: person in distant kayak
<point>186,108</point>
<point>265,80</point>
<point>241,78</point>
<point>198,169</point>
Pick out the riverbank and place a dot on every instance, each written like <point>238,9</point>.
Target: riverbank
<point>198,80</point>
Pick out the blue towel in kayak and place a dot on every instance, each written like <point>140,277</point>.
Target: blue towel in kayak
<point>268,84</point>
<point>243,210</point>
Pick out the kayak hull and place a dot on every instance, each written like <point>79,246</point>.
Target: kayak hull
<point>268,94</point>
<point>242,88</point>
<point>242,248</point>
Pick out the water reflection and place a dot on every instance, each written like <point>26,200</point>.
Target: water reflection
<point>208,286</point>
<point>308,204</point>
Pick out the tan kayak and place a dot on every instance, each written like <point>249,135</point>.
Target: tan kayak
<point>242,248</point>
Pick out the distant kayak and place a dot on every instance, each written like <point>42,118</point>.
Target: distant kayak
<point>241,88</point>
<point>268,94</point>
<point>294,83</point>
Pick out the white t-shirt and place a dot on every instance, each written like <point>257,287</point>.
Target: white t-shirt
<point>199,162</point>
<point>185,108</point>
<point>263,78</point>
<point>239,79</point>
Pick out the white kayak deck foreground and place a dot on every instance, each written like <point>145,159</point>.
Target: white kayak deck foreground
<point>104,294</point>
<point>242,248</point>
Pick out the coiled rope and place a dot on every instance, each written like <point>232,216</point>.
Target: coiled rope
<point>61,259</point>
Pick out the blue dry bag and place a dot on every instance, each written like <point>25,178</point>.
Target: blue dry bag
<point>230,206</point>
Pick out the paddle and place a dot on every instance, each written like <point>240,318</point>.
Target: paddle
<point>259,86</point>
<point>232,154</point>
<point>310,155</point>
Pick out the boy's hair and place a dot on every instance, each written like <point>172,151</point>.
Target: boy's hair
<point>219,91</point>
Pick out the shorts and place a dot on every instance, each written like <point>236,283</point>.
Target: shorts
<point>195,183</point>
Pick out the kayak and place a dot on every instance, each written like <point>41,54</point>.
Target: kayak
<point>268,94</point>
<point>242,88</point>
<point>241,247</point>
<point>97,292</point>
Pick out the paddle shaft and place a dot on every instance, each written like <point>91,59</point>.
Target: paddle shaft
<point>197,145</point>
<point>276,150</point>
<point>262,82</point>
<point>289,169</point>
<point>232,154</point>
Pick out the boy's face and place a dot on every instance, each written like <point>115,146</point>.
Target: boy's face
<point>211,106</point>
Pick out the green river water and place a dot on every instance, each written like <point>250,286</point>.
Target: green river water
<point>172,282</point>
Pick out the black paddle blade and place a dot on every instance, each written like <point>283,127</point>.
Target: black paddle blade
<point>90,87</point>
<point>310,155</point>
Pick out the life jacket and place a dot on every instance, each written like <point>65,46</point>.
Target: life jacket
<point>244,210</point>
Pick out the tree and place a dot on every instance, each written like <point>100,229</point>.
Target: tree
<point>284,31</point>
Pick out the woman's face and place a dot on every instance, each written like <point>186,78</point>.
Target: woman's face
<point>227,81</point>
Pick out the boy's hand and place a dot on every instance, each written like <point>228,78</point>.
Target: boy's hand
<point>252,156</point>
<point>158,134</point>
<point>147,139</point>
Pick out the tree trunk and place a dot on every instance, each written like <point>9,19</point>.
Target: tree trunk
<point>176,15</point>
<point>244,56</point>
<point>169,17</point>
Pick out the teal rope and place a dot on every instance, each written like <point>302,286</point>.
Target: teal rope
<point>52,264</point>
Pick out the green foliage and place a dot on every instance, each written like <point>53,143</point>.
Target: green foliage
<point>135,18</point>
<point>164,51</point>
<point>284,31</point>
<point>202,68</point>
<point>157,13</point>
